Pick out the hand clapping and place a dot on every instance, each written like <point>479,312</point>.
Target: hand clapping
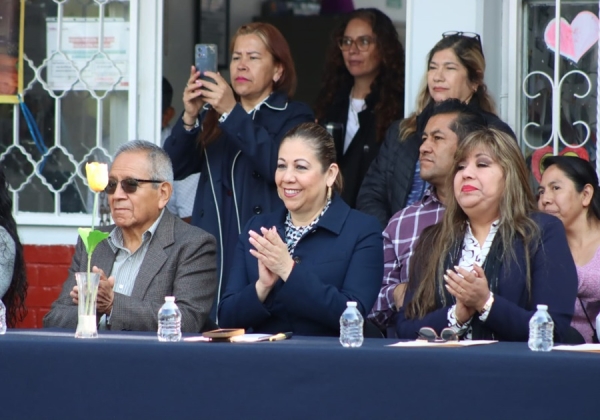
<point>272,252</point>
<point>468,287</point>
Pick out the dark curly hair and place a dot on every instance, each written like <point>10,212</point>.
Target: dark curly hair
<point>389,83</point>
<point>14,298</point>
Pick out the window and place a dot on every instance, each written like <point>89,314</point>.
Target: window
<point>75,85</point>
<point>574,131</point>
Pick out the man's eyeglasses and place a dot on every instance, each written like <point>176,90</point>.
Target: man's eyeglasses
<point>428,334</point>
<point>470,35</point>
<point>129,185</point>
<point>362,42</point>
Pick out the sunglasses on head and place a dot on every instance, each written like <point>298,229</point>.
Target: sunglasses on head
<point>129,185</point>
<point>428,334</point>
<point>469,35</point>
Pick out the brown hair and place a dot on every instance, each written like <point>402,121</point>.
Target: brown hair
<point>516,206</point>
<point>279,50</point>
<point>389,82</point>
<point>468,51</point>
<point>321,142</point>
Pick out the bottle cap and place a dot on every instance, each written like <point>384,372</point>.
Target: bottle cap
<point>351,304</point>
<point>169,298</point>
<point>542,307</point>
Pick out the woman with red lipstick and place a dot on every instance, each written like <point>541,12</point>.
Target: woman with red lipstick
<point>493,258</point>
<point>362,92</point>
<point>455,70</point>
<point>296,268</point>
<point>231,135</point>
<point>569,190</point>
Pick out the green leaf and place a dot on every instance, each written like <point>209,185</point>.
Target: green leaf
<point>91,238</point>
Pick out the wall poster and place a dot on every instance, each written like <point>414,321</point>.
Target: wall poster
<point>12,19</point>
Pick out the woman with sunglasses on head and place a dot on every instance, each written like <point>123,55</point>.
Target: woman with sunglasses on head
<point>455,69</point>
<point>13,280</point>
<point>362,92</point>
<point>295,269</point>
<point>493,258</point>
<point>569,190</point>
<point>231,135</point>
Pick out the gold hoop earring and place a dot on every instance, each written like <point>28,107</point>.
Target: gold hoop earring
<point>329,193</point>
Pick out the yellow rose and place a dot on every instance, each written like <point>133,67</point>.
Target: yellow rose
<point>97,176</point>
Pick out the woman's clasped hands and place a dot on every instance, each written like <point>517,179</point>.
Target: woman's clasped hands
<point>469,288</point>
<point>274,260</point>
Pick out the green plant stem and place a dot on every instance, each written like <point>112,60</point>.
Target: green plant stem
<point>94,209</point>
<point>89,296</point>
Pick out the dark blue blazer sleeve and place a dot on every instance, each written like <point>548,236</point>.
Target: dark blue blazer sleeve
<point>240,306</point>
<point>182,148</point>
<point>553,283</point>
<point>257,143</point>
<point>308,295</point>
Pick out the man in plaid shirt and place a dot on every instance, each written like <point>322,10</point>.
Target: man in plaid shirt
<point>449,123</point>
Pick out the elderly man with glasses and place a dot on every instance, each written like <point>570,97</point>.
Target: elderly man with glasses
<point>148,255</point>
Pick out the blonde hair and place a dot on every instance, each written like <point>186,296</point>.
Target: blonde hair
<point>468,51</point>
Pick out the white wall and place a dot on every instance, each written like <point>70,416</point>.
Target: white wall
<point>397,15</point>
<point>178,46</point>
<point>242,11</point>
<point>427,20</point>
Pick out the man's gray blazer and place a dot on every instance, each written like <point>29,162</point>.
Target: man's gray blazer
<point>180,261</point>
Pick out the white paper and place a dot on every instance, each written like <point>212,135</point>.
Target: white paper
<point>593,348</point>
<point>250,338</point>
<point>78,52</point>
<point>423,343</point>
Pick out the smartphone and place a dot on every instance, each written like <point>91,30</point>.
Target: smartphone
<point>336,130</point>
<point>205,56</point>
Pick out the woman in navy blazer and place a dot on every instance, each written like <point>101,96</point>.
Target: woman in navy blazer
<point>232,134</point>
<point>493,258</point>
<point>295,269</point>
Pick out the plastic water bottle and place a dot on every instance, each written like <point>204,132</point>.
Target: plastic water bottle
<point>541,330</point>
<point>597,324</point>
<point>2,318</point>
<point>169,321</point>
<point>351,326</point>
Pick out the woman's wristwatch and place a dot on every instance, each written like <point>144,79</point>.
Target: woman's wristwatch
<point>486,307</point>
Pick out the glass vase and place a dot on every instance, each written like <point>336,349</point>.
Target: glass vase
<point>87,283</point>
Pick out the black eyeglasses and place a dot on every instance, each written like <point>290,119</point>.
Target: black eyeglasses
<point>362,42</point>
<point>428,334</point>
<point>469,35</point>
<point>129,185</point>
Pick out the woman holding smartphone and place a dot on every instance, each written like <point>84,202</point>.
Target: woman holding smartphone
<point>231,134</point>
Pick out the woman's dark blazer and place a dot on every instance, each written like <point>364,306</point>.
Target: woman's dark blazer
<point>238,169</point>
<point>553,283</point>
<point>364,147</point>
<point>340,260</point>
<point>387,183</point>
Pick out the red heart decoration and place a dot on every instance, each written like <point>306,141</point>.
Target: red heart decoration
<point>537,158</point>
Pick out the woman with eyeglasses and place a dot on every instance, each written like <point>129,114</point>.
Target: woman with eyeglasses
<point>455,69</point>
<point>483,270</point>
<point>362,91</point>
<point>13,280</point>
<point>231,135</point>
<point>569,190</point>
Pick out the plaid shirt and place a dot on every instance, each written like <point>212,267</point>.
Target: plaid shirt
<point>399,241</point>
